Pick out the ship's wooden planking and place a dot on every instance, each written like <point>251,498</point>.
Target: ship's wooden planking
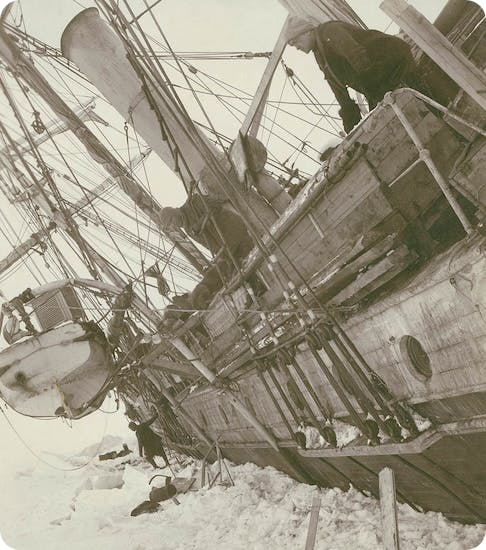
<point>381,258</point>
<point>439,303</point>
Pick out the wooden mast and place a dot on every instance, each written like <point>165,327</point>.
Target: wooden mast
<point>16,60</point>
<point>25,68</point>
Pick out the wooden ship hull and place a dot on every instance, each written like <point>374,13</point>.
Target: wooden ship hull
<point>373,276</point>
<point>417,320</point>
<point>361,312</point>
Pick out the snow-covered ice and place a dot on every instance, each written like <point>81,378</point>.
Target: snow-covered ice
<point>89,508</point>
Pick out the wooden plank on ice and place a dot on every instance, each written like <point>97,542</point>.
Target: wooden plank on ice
<point>314,518</point>
<point>388,505</point>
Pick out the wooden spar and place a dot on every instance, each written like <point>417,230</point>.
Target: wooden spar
<point>25,68</point>
<point>172,367</point>
<point>143,98</point>
<point>85,112</point>
<point>314,518</point>
<point>252,118</point>
<point>199,365</point>
<point>22,249</point>
<point>84,41</point>
<point>105,184</point>
<point>432,42</point>
<point>257,119</point>
<point>89,283</point>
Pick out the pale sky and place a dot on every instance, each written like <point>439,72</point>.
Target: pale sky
<point>194,25</point>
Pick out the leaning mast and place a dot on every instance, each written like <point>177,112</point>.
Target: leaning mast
<point>26,69</point>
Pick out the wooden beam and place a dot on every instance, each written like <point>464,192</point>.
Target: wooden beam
<point>314,517</point>
<point>185,370</point>
<point>388,505</point>
<point>432,42</point>
<point>202,481</point>
<point>262,90</point>
<point>257,119</point>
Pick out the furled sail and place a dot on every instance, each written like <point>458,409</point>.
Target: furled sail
<point>61,372</point>
<point>149,105</point>
<point>100,54</point>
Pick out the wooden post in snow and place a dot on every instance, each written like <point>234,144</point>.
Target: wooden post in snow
<point>388,505</point>
<point>432,42</point>
<point>314,517</point>
<point>203,473</point>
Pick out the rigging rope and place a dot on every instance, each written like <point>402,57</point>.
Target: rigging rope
<point>40,459</point>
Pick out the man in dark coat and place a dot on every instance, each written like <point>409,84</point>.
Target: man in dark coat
<point>369,61</point>
<point>149,441</point>
<point>212,223</point>
<point>216,225</point>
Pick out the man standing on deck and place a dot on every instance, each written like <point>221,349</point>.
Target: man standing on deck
<point>149,441</point>
<point>369,61</point>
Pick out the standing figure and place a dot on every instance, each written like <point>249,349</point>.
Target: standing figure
<point>212,222</point>
<point>216,225</point>
<point>149,441</point>
<point>369,61</point>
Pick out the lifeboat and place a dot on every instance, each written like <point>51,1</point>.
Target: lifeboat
<point>64,371</point>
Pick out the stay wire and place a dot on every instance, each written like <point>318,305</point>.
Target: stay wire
<point>83,190</point>
<point>40,459</point>
<point>52,185</point>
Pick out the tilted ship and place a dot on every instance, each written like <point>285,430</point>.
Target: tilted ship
<point>353,335</point>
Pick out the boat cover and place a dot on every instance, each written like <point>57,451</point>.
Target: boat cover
<point>60,372</point>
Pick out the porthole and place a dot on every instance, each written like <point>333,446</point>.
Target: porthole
<point>415,357</point>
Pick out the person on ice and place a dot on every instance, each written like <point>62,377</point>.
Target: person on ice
<point>149,441</point>
<point>369,61</point>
